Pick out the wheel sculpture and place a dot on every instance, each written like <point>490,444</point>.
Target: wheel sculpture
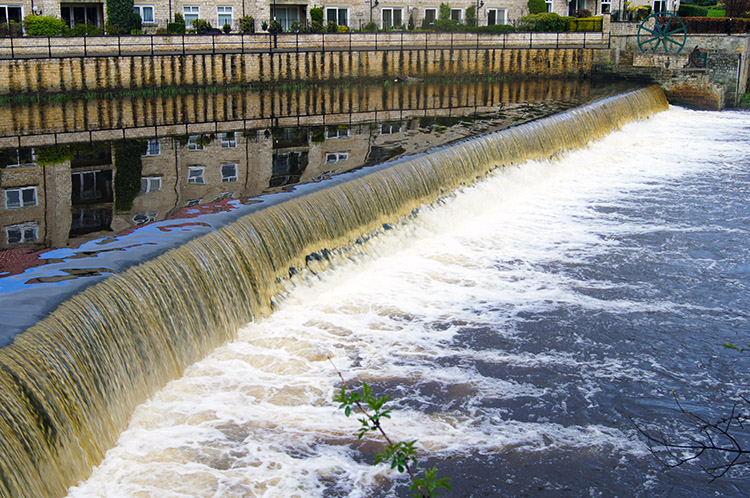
<point>662,29</point>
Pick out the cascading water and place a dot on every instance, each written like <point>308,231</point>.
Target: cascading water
<point>70,383</point>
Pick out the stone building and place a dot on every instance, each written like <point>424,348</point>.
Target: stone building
<point>386,14</point>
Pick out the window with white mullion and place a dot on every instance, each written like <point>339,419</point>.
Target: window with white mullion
<point>224,15</point>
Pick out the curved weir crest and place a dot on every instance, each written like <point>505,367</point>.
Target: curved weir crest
<point>70,383</point>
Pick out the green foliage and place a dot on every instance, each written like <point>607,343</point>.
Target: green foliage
<point>44,26</point>
<point>640,12</point>
<point>410,23</point>
<point>120,17</point>
<point>247,25</point>
<point>745,102</point>
<point>11,28</point>
<point>332,27</point>
<point>548,22</point>
<point>370,27</point>
<point>201,26</point>
<point>85,30</point>
<point>274,27</point>
<point>732,346</point>
<point>537,6</point>
<point>128,176</point>
<point>585,24</point>
<point>56,154</point>
<point>471,16</point>
<point>687,10</point>
<point>448,25</point>
<point>176,28</point>
<point>401,455</point>
<point>444,12</point>
<point>316,14</point>
<point>495,28</point>
<point>227,28</point>
<point>178,17</point>
<point>717,13</point>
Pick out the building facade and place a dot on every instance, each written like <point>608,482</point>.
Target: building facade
<point>386,14</point>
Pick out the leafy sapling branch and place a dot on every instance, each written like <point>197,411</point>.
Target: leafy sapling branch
<point>401,455</point>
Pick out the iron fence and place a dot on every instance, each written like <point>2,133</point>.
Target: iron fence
<point>152,45</point>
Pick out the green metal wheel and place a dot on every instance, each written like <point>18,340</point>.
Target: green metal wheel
<point>662,29</point>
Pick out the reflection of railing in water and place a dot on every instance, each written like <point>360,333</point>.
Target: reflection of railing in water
<point>51,123</point>
<point>150,45</point>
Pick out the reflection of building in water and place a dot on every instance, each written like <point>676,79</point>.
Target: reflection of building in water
<point>63,195</point>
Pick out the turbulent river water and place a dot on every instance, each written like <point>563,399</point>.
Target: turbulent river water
<point>524,327</point>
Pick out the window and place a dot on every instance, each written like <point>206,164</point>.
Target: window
<point>153,148</point>
<point>81,13</point>
<point>338,15</point>
<point>228,172</point>
<point>392,18</point>
<point>390,129</point>
<point>11,13</point>
<point>20,197</point>
<point>285,16</point>
<point>337,132</point>
<point>606,6</point>
<point>429,16</point>
<point>146,12</point>
<point>24,232</point>
<point>225,15</point>
<point>195,142</point>
<point>195,175</point>
<point>191,13</point>
<point>336,157</point>
<point>228,140</point>
<point>549,5</point>
<point>661,6</point>
<point>497,16</point>
<point>150,184</point>
<point>11,158</point>
<point>456,14</point>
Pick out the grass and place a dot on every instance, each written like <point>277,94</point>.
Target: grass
<point>745,102</point>
<point>717,13</point>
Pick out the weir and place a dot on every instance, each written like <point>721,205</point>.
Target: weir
<point>70,383</point>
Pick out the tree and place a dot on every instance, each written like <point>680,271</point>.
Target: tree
<point>120,17</point>
<point>537,6</point>
<point>719,445</point>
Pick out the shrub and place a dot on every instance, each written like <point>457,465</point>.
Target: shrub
<point>444,12</point>
<point>120,17</point>
<point>247,25</point>
<point>370,27</point>
<point>716,25</point>
<point>537,6</point>
<point>496,28</point>
<point>227,28</point>
<point>201,26</point>
<point>585,24</point>
<point>274,27</point>
<point>446,25</point>
<point>176,28</point>
<point>162,31</point>
<point>179,18</point>
<point>316,14</point>
<point>687,10</point>
<point>471,16</point>
<point>295,26</point>
<point>717,13</point>
<point>332,27</point>
<point>548,22</point>
<point>44,26</point>
<point>84,30</point>
<point>343,29</point>
<point>640,12</point>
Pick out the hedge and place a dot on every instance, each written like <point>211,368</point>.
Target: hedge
<point>716,25</point>
<point>44,26</point>
<point>585,24</point>
<point>687,10</point>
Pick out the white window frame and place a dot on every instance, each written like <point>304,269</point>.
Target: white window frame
<point>150,184</point>
<point>193,144</point>
<point>336,157</point>
<point>21,203</point>
<point>4,7</point>
<point>140,9</point>
<point>393,11</point>
<point>501,16</point>
<point>23,229</point>
<point>153,148</point>
<point>190,13</point>
<point>337,132</point>
<point>228,140</point>
<point>225,176</point>
<point>196,175</point>
<point>606,4</point>
<point>224,11</point>
<point>550,5</point>
<point>390,128</point>
<point>337,15</point>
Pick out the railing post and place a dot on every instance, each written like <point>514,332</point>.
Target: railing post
<point>323,42</point>
<point>531,39</point>
<point>152,45</point>
<point>402,40</point>
<point>451,41</point>
<point>376,41</point>
<point>584,39</point>
<point>350,40</point>
<point>477,37</point>
<point>557,41</point>
<point>505,39</point>
<point>12,52</point>
<point>213,44</point>
<point>183,44</point>
<point>242,43</point>
<point>119,48</point>
<point>49,46</point>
